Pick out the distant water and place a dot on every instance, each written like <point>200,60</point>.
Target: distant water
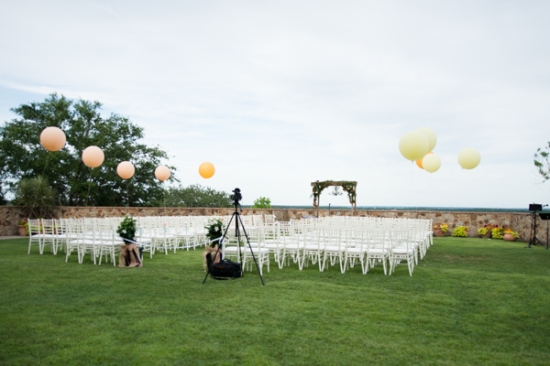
<point>410,208</point>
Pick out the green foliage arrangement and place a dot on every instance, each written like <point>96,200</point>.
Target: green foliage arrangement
<point>214,229</point>
<point>262,202</point>
<point>127,228</point>
<point>36,196</point>
<point>22,155</point>
<point>482,231</point>
<point>460,231</point>
<point>497,232</point>
<point>196,196</point>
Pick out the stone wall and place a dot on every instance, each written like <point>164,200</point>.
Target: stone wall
<point>519,221</point>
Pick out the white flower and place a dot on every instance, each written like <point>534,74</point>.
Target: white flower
<point>216,229</point>
<point>123,231</point>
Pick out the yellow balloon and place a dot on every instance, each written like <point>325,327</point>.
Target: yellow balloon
<point>469,158</point>
<point>52,138</point>
<point>413,145</point>
<point>431,163</point>
<point>93,156</point>
<point>206,170</point>
<point>419,161</point>
<point>162,173</point>
<point>125,170</point>
<point>430,135</point>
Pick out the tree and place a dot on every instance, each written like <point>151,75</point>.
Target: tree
<point>196,196</point>
<point>542,161</point>
<point>2,198</point>
<point>36,195</point>
<point>262,202</point>
<point>22,156</point>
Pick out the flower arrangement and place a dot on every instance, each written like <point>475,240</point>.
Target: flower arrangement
<point>214,229</point>
<point>511,232</point>
<point>127,229</point>
<point>497,232</point>
<point>442,227</point>
<point>486,229</point>
<point>460,231</point>
<point>23,227</point>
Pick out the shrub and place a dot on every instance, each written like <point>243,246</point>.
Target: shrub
<point>262,202</point>
<point>460,231</point>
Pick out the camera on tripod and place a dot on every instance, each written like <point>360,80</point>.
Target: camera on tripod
<point>236,196</point>
<point>535,207</point>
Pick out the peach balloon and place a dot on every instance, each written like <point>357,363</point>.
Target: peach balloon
<point>93,156</point>
<point>162,173</point>
<point>52,138</point>
<point>206,170</point>
<point>125,170</point>
<point>419,161</point>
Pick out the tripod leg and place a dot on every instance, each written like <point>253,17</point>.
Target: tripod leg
<point>251,251</point>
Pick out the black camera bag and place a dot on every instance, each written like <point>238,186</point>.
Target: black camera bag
<point>225,270</point>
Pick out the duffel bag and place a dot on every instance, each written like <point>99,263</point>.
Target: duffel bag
<point>225,270</point>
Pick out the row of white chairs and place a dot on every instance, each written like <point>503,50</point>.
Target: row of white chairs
<point>324,242</point>
<point>97,236</point>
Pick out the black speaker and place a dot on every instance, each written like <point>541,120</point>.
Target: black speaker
<point>535,207</point>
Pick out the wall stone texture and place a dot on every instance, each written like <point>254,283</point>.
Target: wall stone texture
<point>518,221</point>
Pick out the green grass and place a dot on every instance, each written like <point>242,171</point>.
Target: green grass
<point>469,302</point>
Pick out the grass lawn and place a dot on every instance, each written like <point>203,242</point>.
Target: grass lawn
<point>469,302</point>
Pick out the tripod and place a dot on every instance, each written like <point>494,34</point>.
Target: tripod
<point>534,240</point>
<point>237,217</point>
<point>546,217</point>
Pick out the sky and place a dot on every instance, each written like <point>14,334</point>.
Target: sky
<point>280,94</point>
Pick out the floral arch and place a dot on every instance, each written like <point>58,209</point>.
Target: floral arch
<point>348,186</point>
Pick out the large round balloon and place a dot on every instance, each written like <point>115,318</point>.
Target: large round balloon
<point>430,135</point>
<point>162,173</point>
<point>93,156</point>
<point>414,145</point>
<point>52,138</point>
<point>419,161</point>
<point>125,170</point>
<point>431,163</point>
<point>469,158</point>
<point>206,170</point>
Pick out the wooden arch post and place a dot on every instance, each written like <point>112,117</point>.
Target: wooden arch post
<point>348,186</point>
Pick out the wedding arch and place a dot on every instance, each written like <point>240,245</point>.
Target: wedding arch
<point>348,186</point>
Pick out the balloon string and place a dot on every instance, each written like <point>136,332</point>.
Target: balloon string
<point>89,184</point>
<point>127,195</point>
<point>45,165</point>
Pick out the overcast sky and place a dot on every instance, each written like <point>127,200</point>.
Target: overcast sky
<point>280,94</point>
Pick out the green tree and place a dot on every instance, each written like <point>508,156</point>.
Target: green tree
<point>2,198</point>
<point>22,156</point>
<point>196,196</point>
<point>262,202</point>
<point>36,195</point>
<point>542,161</point>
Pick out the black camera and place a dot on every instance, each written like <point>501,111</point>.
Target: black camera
<point>236,196</point>
<point>535,207</point>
